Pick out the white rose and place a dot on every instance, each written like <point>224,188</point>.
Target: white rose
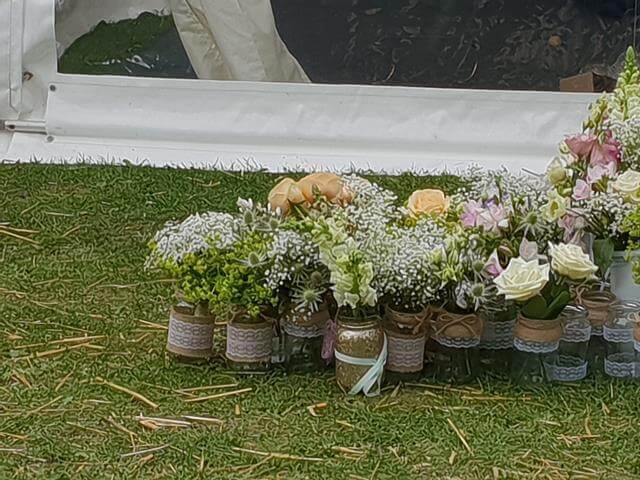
<point>628,184</point>
<point>556,173</point>
<point>522,280</point>
<point>570,261</point>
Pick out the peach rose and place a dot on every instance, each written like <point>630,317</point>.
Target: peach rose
<point>328,184</point>
<point>428,201</point>
<point>284,194</point>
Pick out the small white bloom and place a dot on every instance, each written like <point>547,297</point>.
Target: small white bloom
<point>628,184</point>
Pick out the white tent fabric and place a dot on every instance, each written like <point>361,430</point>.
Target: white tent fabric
<point>234,40</point>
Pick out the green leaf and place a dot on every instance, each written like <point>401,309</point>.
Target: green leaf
<point>603,254</point>
<point>557,305</point>
<point>535,308</point>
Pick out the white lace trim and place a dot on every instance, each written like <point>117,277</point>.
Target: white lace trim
<point>620,365</point>
<point>498,335</point>
<point>535,347</point>
<point>618,335</point>
<point>190,336</point>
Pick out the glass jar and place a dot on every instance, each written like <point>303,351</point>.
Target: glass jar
<point>249,343</point>
<point>618,333</point>
<point>406,336</point>
<point>457,337</point>
<point>569,362</point>
<point>496,344</point>
<point>303,339</point>
<point>597,303</point>
<point>191,332</point>
<point>533,341</point>
<point>360,354</point>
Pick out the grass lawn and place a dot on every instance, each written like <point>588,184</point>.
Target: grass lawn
<point>84,276</point>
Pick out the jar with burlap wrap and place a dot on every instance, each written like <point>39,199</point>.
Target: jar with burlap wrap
<point>621,360</point>
<point>406,336</point>
<point>533,341</point>
<point>190,333</point>
<point>360,354</point>
<point>569,362</point>
<point>249,343</point>
<point>303,339</point>
<point>457,337</point>
<point>597,303</point>
<point>496,344</point>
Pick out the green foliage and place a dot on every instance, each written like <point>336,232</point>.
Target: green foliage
<point>603,249</point>
<point>549,304</point>
<point>630,75</point>
<point>631,226</point>
<point>241,284</point>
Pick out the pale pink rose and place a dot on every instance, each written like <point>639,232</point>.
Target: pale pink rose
<point>581,191</point>
<point>493,218</point>
<point>469,217</point>
<point>572,226</point>
<point>528,250</point>
<point>605,155</point>
<point>493,267</point>
<point>581,144</point>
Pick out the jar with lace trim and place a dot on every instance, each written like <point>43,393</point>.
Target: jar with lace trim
<point>496,344</point>
<point>533,341</point>
<point>597,303</point>
<point>191,331</point>
<point>250,342</point>
<point>303,338</point>
<point>569,362</point>
<point>406,337</point>
<point>360,354</point>
<point>457,336</point>
<point>621,360</point>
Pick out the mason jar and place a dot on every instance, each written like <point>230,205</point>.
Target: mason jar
<point>406,337</point>
<point>496,344</point>
<point>191,332</point>
<point>360,354</point>
<point>618,333</point>
<point>303,339</point>
<point>569,362</point>
<point>456,356</point>
<point>249,343</point>
<point>534,340</point>
<point>597,303</point>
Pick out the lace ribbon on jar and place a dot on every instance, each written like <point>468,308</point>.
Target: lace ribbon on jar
<point>537,336</point>
<point>249,342</point>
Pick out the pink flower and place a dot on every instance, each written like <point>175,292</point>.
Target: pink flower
<point>493,218</point>
<point>572,225</point>
<point>469,217</point>
<point>605,154</point>
<point>528,250</point>
<point>493,267</point>
<point>581,144</point>
<point>598,172</point>
<point>581,191</point>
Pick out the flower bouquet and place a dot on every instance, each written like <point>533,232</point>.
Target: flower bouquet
<point>595,182</point>
<point>182,250</point>
<point>542,292</point>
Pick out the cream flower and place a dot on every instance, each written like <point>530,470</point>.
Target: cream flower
<point>428,201</point>
<point>522,280</point>
<point>570,261</point>
<point>556,173</point>
<point>628,184</point>
<point>556,206</point>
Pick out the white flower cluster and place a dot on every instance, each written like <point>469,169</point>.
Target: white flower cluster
<point>627,132</point>
<point>404,271</point>
<point>292,255</point>
<point>371,210</point>
<point>192,236</point>
<point>605,212</point>
<point>483,184</point>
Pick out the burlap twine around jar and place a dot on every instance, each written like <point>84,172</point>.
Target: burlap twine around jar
<point>537,336</point>
<point>458,330</point>
<point>597,304</point>
<point>249,342</point>
<point>190,335</point>
<point>406,335</point>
